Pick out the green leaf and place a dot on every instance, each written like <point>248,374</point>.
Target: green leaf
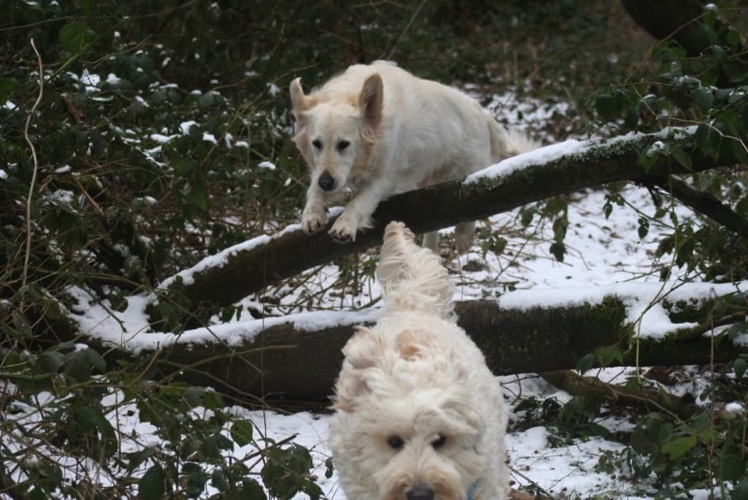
<point>219,481</point>
<point>287,472</point>
<point>77,366</point>
<point>703,99</point>
<point>497,245</point>
<point>648,159</point>
<point>213,400</point>
<point>251,490</point>
<point>643,228</point>
<point>75,37</point>
<point>213,445</point>
<point>49,361</point>
<point>585,363</point>
<point>560,226</point>
<point>740,492</point>
<point>526,218</point>
<point>138,457</point>
<point>679,447</point>
<point>739,366</point>
<point>196,478</point>
<point>607,107</point>
<point>607,354</point>
<point>558,250</point>
<point>152,486</point>
<point>7,85</point>
<point>607,209</point>
<point>683,158</point>
<point>329,468</point>
<point>731,467</point>
<point>241,432</point>
<point>95,359</point>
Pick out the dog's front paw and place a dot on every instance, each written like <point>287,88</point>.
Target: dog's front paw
<point>313,220</point>
<point>344,230</point>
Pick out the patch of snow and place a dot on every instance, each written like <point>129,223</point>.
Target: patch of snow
<point>536,157</point>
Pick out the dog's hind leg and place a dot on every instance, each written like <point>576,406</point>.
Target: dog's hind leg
<point>464,236</point>
<point>431,241</point>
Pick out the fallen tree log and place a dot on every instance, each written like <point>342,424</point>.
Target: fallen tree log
<point>292,365</point>
<point>637,397</point>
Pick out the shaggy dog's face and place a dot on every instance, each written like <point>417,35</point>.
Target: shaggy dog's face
<point>420,444</point>
<point>417,450</point>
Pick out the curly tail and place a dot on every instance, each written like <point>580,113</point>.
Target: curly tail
<point>412,277</point>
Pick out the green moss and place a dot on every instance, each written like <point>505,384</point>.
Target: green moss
<point>612,311</point>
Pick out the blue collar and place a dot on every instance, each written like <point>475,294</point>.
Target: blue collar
<point>471,491</point>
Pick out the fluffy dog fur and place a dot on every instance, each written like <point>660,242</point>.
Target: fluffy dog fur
<point>377,130</point>
<point>419,416</point>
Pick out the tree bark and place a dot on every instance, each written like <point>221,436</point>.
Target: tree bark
<point>637,397</point>
<point>289,366</point>
<point>671,19</point>
<point>248,271</point>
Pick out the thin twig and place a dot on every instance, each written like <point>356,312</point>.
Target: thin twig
<point>32,185</point>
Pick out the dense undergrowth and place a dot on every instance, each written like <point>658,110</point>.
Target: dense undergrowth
<point>161,136</point>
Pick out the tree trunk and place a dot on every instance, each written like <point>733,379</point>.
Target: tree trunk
<point>289,366</point>
<point>676,19</point>
<point>246,271</point>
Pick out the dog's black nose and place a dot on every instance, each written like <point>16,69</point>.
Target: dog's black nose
<point>326,182</point>
<point>420,493</point>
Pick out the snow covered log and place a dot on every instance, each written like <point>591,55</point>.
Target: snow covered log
<point>293,361</point>
<point>559,169</point>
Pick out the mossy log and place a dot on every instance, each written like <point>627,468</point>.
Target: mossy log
<point>290,366</point>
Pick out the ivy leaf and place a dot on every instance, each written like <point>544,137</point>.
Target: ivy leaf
<point>679,447</point>
<point>558,250</point>
<point>740,491</point>
<point>683,158</point>
<point>585,363</point>
<point>739,366</point>
<point>607,106</point>
<point>75,37</point>
<point>731,468</point>
<point>643,228</point>
<point>703,99</point>
<point>241,432</point>
<point>152,486</point>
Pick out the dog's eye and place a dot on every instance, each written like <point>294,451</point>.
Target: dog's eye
<point>317,144</point>
<point>342,145</point>
<point>396,442</point>
<point>439,441</point>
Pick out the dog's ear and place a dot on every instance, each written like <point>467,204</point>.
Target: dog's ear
<point>299,101</point>
<point>363,348</point>
<point>370,103</point>
<point>349,388</point>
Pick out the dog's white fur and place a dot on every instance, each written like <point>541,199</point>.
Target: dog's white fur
<point>377,130</point>
<point>417,409</point>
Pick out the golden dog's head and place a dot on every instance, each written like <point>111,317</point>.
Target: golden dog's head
<point>336,131</point>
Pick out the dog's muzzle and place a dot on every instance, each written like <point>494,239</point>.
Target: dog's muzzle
<point>326,182</point>
<point>420,493</point>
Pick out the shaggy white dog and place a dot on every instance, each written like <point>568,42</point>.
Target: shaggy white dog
<point>376,130</point>
<point>419,416</point>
